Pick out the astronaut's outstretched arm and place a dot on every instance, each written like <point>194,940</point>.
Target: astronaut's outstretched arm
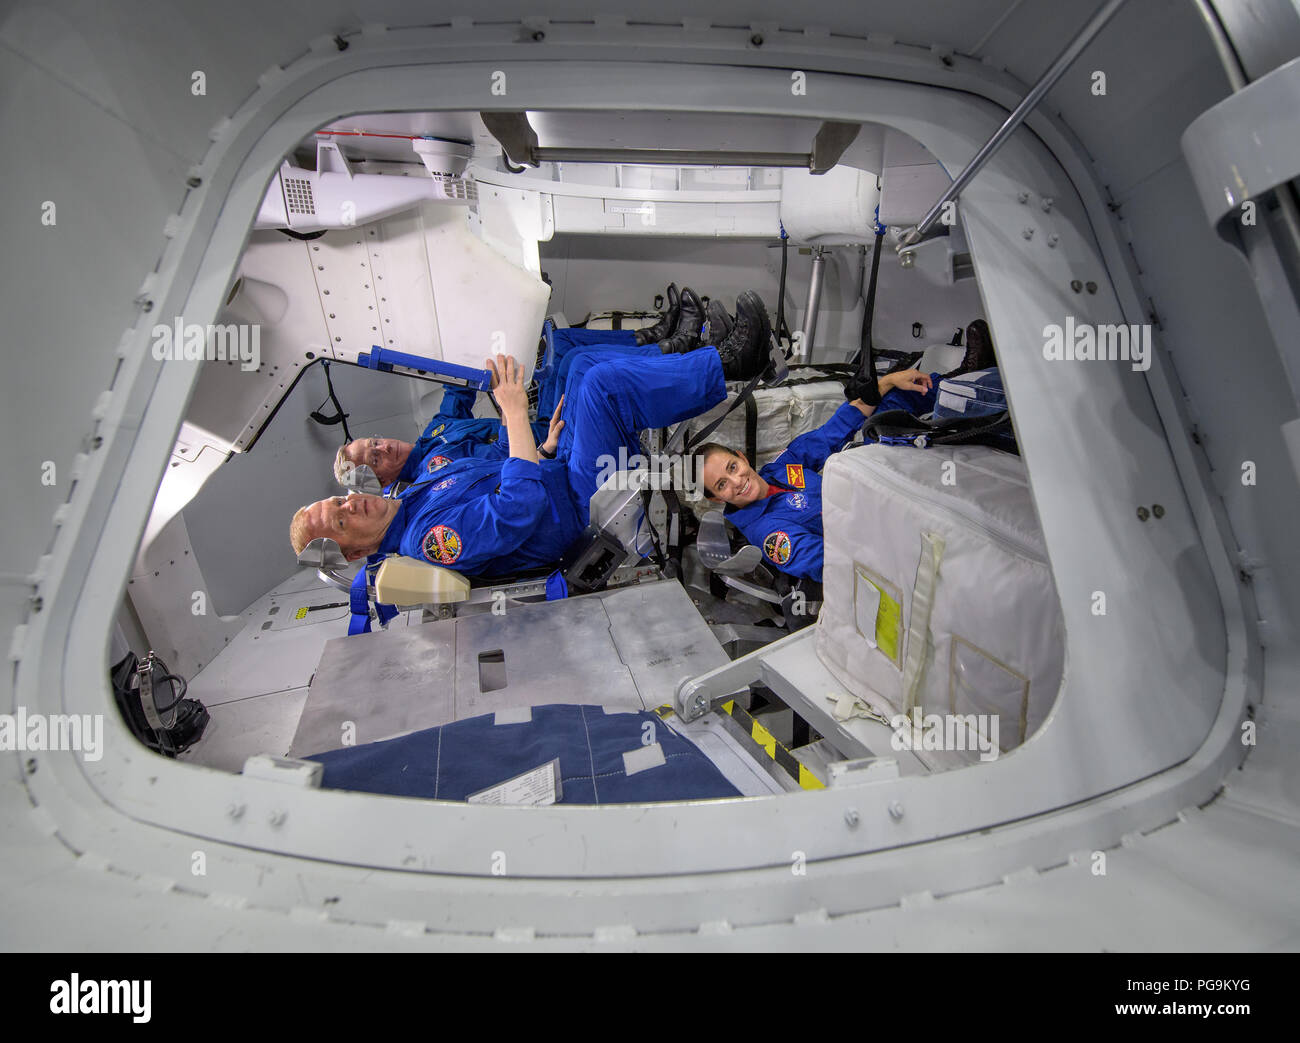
<point>511,395</point>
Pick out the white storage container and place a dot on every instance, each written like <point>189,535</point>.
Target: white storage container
<point>938,595</point>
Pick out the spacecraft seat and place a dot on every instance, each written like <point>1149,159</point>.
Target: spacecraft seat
<point>742,569</point>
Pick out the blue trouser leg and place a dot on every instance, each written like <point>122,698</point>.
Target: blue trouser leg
<point>574,372</point>
<point>619,398</point>
<point>914,402</point>
<point>566,337</point>
<point>566,341</point>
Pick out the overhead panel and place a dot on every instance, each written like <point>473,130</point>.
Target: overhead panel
<point>273,305</point>
<point>345,289</point>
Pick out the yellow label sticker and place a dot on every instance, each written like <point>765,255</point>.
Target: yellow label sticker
<point>300,614</point>
<point>878,607</point>
<point>889,624</point>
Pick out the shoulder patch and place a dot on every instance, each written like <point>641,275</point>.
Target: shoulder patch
<point>794,475</point>
<point>442,545</point>
<point>438,462</point>
<point>777,546</point>
<point>437,430</point>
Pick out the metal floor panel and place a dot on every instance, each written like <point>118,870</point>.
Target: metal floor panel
<point>625,650</point>
<point>240,729</point>
<point>276,652</point>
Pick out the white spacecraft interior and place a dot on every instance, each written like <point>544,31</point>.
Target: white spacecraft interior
<point>1016,653</point>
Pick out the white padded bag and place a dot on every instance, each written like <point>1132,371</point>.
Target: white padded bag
<point>938,594</point>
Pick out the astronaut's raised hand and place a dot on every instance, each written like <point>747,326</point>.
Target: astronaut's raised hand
<point>906,380</point>
<point>508,384</point>
<point>553,432</point>
<point>511,395</point>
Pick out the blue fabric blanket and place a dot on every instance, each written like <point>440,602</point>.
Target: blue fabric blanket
<point>454,760</point>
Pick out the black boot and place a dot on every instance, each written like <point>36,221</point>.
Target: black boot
<point>667,321</point>
<point>979,350</point>
<point>686,337</point>
<point>744,350</point>
<point>717,323</point>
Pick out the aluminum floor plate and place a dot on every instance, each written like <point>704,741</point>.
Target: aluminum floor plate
<point>625,650</point>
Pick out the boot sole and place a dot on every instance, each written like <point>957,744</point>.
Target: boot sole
<point>759,350</point>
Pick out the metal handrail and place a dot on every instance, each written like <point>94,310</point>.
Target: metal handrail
<point>1035,95</point>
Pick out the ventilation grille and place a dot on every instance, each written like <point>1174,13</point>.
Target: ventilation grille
<point>297,196</point>
<point>457,187</point>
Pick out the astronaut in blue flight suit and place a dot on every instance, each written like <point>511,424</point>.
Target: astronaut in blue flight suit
<point>492,518</point>
<point>454,433</point>
<point>779,507</point>
<point>683,327</point>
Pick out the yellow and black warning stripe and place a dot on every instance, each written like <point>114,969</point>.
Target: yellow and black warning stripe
<point>766,741</point>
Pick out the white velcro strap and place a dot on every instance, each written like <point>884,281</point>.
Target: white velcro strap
<point>918,632</point>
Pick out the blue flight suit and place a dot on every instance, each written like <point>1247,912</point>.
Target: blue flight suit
<point>496,517</point>
<point>578,363</point>
<point>565,341</point>
<point>787,527</point>
<point>455,433</point>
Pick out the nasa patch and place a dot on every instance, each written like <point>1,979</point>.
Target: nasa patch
<point>445,483</point>
<point>437,462</point>
<point>797,500</point>
<point>794,475</point>
<point>777,547</point>
<point>442,545</point>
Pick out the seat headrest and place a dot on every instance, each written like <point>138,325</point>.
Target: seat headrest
<point>322,553</point>
<point>362,479</point>
<point>409,582</point>
<point>714,546</point>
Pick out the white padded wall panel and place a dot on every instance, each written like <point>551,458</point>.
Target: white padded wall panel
<point>837,206</point>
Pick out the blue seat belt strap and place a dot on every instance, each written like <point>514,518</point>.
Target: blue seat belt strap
<point>359,599</point>
<point>556,587</point>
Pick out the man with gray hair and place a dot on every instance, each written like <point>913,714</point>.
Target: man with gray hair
<point>492,518</point>
<point>454,433</point>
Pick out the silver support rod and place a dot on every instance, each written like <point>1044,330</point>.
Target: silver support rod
<point>1035,95</point>
<point>814,301</point>
<point>1222,47</point>
<point>673,157</point>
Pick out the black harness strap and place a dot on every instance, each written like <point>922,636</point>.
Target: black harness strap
<point>782,330</point>
<point>744,395</point>
<point>899,427</point>
<point>751,428</point>
<point>863,359</point>
<point>339,416</point>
